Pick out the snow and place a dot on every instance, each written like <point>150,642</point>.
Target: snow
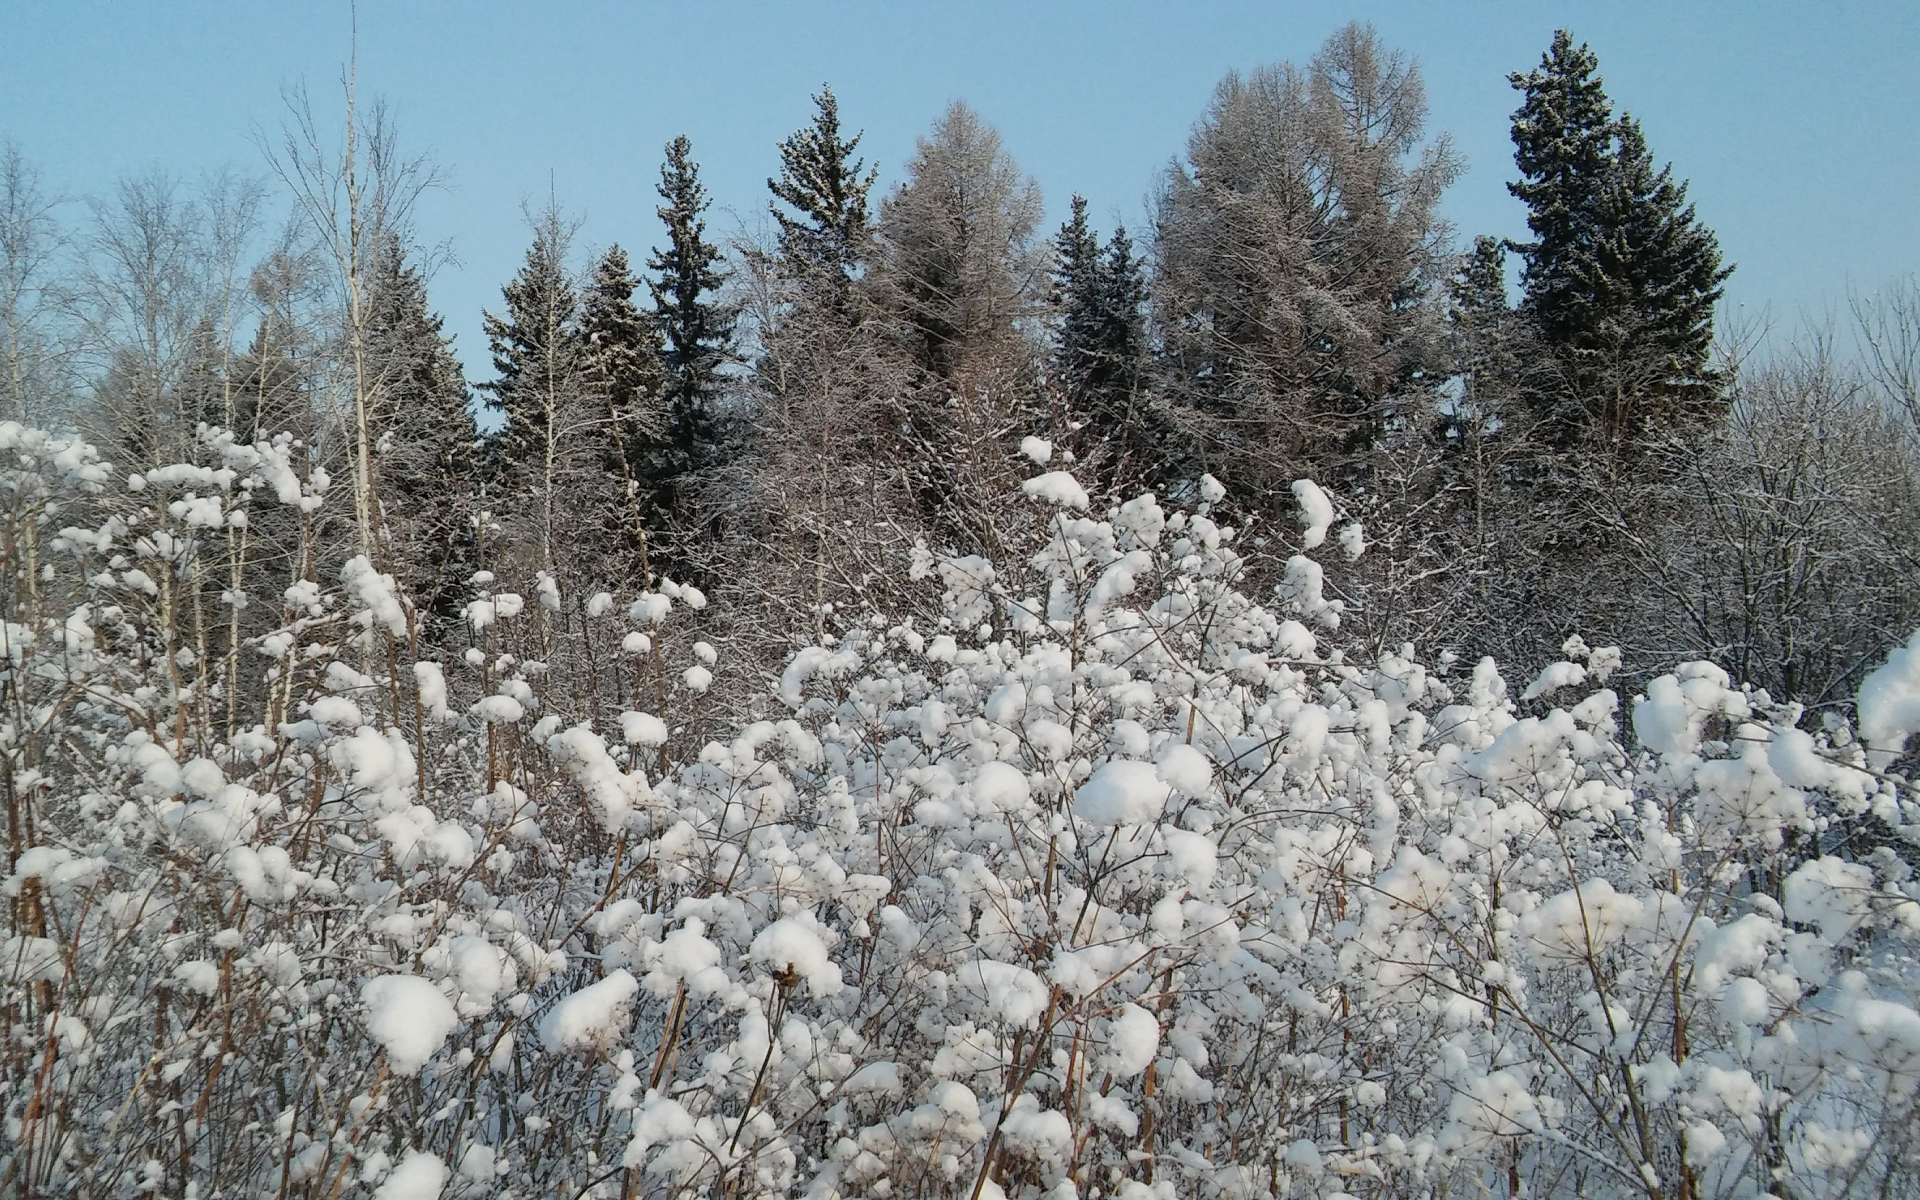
<point>1121,792</point>
<point>1316,513</point>
<point>1000,787</point>
<point>420,1176</point>
<point>794,945</point>
<point>592,1019</point>
<point>1133,1038</point>
<point>1184,768</point>
<point>1889,704</point>
<point>409,1017</point>
<point>1831,894</point>
<point>643,729</point>
<point>1038,449</point>
<point>1057,487</point>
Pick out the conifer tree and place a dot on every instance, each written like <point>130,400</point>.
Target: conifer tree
<point>537,360</point>
<point>423,431</point>
<point>1621,278</point>
<point>1101,347</point>
<point>620,348</point>
<point>1647,298</point>
<point>1563,144</point>
<point>696,326</point>
<point>825,187</point>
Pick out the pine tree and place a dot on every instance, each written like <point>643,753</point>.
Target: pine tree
<point>620,349</point>
<point>696,326</point>
<point>422,431</point>
<point>536,357</point>
<point>826,188</point>
<point>1621,279</point>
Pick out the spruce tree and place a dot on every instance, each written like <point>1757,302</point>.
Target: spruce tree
<point>1076,294</point>
<point>1621,278</point>
<point>422,431</point>
<point>1563,145</point>
<point>537,361</point>
<point>825,187</point>
<point>695,325</point>
<point>1649,289</point>
<point>1101,347</point>
<point>620,349</point>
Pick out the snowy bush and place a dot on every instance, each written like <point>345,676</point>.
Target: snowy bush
<point>1112,881</point>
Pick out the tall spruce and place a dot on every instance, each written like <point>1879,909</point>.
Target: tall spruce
<point>824,226</point>
<point>696,325</point>
<point>1101,348</point>
<point>537,361</point>
<point>423,431</point>
<point>620,349</point>
<point>1621,277</point>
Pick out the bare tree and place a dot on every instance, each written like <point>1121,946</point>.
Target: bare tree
<point>355,194</point>
<point>35,342</point>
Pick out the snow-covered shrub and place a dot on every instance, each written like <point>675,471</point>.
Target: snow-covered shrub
<point>1113,881</point>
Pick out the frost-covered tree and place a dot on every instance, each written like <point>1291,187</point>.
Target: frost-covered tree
<point>962,284</point>
<point>958,267</point>
<point>36,342</point>
<point>1298,250</point>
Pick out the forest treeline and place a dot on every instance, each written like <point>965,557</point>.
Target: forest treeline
<point>780,419</point>
<point>923,706</point>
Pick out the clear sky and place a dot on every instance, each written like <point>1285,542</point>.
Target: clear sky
<point>1794,122</point>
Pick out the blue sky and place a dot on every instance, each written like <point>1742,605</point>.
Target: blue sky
<point>1794,122</point>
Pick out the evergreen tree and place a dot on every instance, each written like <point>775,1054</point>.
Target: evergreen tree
<point>1481,324</point>
<point>620,349</point>
<point>826,188</point>
<point>1563,144</point>
<point>1621,278</point>
<point>537,361</point>
<point>1076,295</point>
<point>1101,347</point>
<point>422,431</point>
<point>696,326</point>
<point>1647,299</point>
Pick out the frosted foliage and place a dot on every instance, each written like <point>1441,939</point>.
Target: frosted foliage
<point>1100,874</point>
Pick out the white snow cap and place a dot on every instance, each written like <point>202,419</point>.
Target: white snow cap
<point>1122,792</point>
<point>420,1176</point>
<point>1889,704</point>
<point>593,1018</point>
<point>1000,787</point>
<point>643,729</point>
<point>1316,512</point>
<point>409,1017</point>
<point>1057,487</point>
<point>1040,450</point>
